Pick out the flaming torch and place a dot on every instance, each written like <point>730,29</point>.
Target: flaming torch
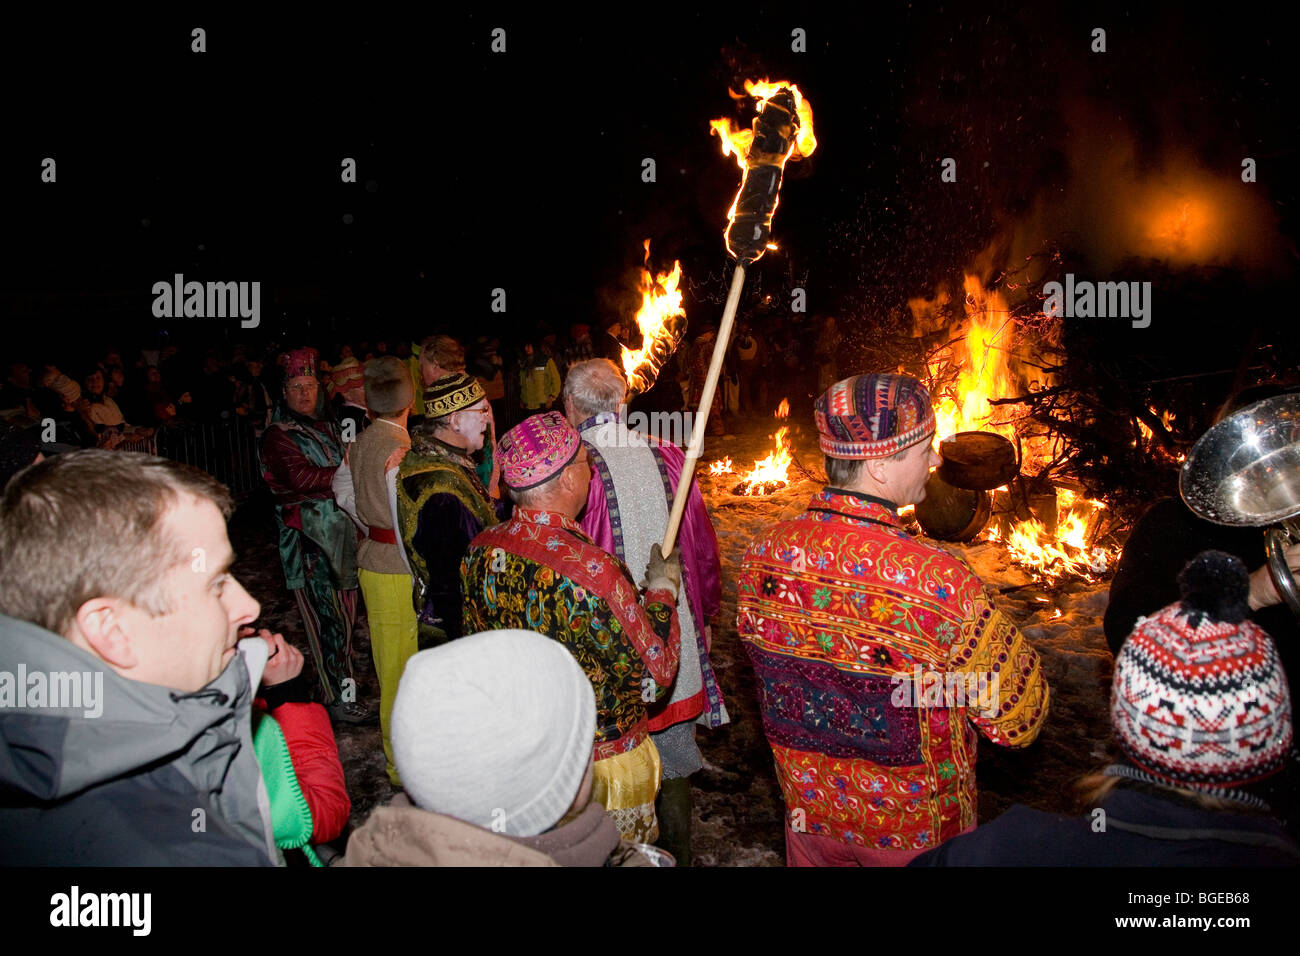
<point>782,130</point>
<point>661,319</point>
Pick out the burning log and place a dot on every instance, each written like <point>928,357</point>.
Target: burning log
<point>783,128</point>
<point>771,474</point>
<point>1066,549</point>
<point>662,322</point>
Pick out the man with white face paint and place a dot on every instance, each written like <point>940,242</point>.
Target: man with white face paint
<point>441,503</point>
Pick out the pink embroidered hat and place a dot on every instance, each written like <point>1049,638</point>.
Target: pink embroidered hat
<point>299,363</point>
<point>873,416</point>
<point>536,450</point>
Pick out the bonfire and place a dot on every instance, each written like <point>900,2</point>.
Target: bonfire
<point>985,370</point>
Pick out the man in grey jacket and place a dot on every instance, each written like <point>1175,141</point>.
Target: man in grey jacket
<point>125,706</point>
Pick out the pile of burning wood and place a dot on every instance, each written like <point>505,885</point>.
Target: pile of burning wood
<point>769,475</point>
<point>984,490</point>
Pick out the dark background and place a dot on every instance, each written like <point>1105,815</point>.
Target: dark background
<point>522,170</point>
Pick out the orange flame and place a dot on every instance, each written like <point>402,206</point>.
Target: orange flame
<point>783,410</point>
<point>985,372</point>
<point>724,467</point>
<point>661,320</point>
<point>1052,557</point>
<point>774,468</point>
<point>737,140</point>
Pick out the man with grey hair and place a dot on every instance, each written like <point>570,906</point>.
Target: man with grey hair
<point>634,479</point>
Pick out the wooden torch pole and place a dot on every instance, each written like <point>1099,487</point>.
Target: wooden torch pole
<point>702,415</point>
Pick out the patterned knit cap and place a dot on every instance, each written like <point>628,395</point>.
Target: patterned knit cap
<point>67,388</point>
<point>536,450</point>
<point>348,374</point>
<point>873,416</point>
<point>451,393</point>
<point>299,362</point>
<point>1199,699</point>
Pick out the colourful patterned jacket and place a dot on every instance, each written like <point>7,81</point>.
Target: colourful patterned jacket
<point>539,572</point>
<point>841,611</point>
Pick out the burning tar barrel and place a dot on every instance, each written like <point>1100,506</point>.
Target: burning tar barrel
<point>978,460</point>
<point>953,514</point>
<point>774,132</point>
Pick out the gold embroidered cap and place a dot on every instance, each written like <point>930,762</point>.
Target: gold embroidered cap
<point>451,394</point>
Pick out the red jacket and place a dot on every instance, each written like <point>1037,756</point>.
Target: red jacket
<point>315,756</point>
<point>878,658</point>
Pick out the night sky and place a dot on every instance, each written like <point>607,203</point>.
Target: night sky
<point>522,170</point>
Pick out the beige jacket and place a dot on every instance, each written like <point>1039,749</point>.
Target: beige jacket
<point>369,458</point>
<point>401,834</point>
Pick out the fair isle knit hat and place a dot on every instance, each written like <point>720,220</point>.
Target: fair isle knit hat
<point>873,416</point>
<point>452,393</point>
<point>347,375</point>
<point>67,389</point>
<point>495,729</point>
<point>536,450</point>
<point>1199,698</point>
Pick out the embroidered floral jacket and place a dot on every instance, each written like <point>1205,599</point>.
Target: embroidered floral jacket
<point>539,572</point>
<point>841,611</point>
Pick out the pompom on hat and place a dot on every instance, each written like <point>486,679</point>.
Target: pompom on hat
<point>536,450</point>
<point>495,729</point>
<point>452,393</point>
<point>873,416</point>
<point>1199,699</point>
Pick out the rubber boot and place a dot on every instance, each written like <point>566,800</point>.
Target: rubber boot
<point>673,807</point>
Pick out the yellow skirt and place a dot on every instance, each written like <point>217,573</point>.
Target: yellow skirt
<point>626,786</point>
<point>392,643</point>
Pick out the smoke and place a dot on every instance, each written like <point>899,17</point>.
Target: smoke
<point>1116,206</point>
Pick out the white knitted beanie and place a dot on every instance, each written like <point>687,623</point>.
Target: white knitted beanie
<point>495,729</point>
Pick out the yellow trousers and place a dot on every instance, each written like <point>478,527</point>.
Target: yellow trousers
<point>392,642</point>
<point>626,786</point>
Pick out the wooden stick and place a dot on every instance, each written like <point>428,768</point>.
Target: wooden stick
<point>702,415</point>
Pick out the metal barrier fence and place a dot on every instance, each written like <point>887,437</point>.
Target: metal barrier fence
<point>148,445</point>
<point>227,451</point>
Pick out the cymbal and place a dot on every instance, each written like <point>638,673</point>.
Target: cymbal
<point>1245,471</point>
